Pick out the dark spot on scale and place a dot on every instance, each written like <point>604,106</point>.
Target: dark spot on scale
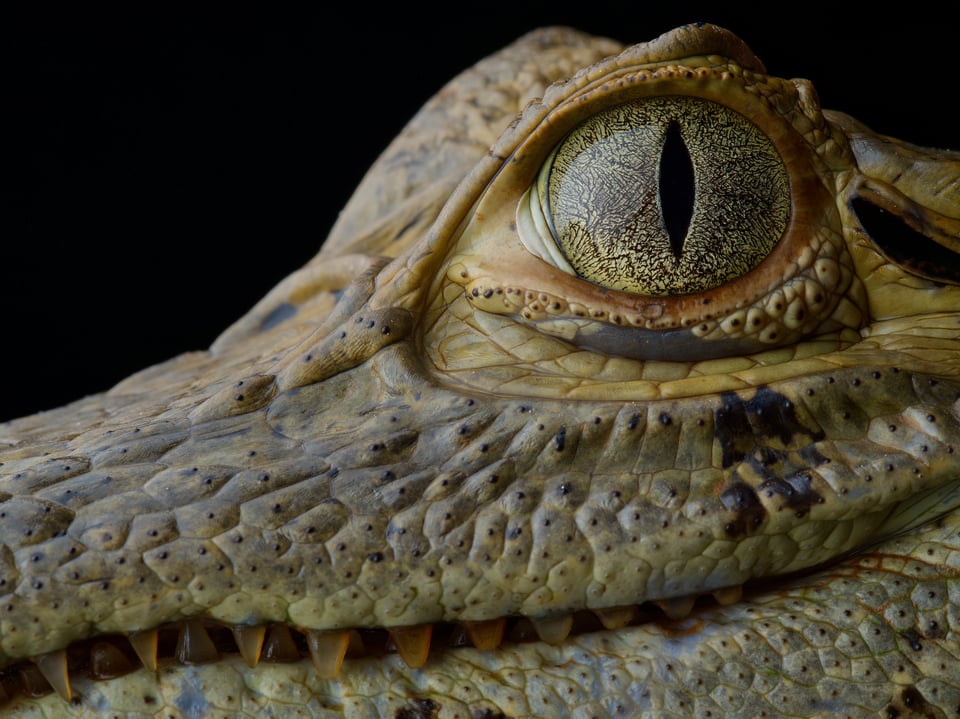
<point>665,419</point>
<point>796,491</point>
<point>768,420</point>
<point>913,639</point>
<point>487,713</point>
<point>560,438</point>
<point>910,703</point>
<point>634,421</point>
<point>741,499</point>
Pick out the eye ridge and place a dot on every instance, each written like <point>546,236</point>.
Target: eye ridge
<point>677,187</point>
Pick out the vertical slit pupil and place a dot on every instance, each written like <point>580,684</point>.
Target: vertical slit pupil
<point>676,187</point>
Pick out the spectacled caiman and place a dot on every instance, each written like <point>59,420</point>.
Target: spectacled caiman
<point>625,385</point>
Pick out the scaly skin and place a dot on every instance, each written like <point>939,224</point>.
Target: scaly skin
<point>429,424</point>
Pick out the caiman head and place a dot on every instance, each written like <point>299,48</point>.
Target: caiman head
<point>625,384</point>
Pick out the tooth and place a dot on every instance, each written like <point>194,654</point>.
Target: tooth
<point>486,635</point>
<point>327,649</point>
<point>678,607</point>
<point>107,661</point>
<point>413,643</point>
<point>616,617</point>
<point>728,595</point>
<point>280,646</point>
<point>53,666</point>
<point>145,645</point>
<point>250,642</point>
<point>194,645</point>
<point>553,630</point>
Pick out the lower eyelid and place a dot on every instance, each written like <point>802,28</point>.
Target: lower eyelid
<point>681,345</point>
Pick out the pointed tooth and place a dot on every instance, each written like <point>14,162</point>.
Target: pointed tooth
<point>616,617</point>
<point>728,595</point>
<point>280,646</point>
<point>145,645</point>
<point>53,666</point>
<point>250,642</point>
<point>327,649</point>
<point>486,635</point>
<point>413,643</point>
<point>194,645</point>
<point>678,607</point>
<point>107,661</point>
<point>553,630</point>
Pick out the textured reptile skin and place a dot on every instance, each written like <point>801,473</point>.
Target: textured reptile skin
<point>428,424</point>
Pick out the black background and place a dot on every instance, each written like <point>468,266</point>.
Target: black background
<point>160,173</point>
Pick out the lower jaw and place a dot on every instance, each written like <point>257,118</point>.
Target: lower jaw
<point>195,643</point>
<point>517,680</point>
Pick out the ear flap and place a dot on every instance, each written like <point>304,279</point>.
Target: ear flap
<point>907,200</point>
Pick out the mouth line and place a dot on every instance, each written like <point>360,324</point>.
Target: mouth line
<point>198,641</point>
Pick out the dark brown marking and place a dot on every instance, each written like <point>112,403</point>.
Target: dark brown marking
<point>796,491</point>
<point>487,713</point>
<point>742,499</point>
<point>911,703</point>
<point>419,709</point>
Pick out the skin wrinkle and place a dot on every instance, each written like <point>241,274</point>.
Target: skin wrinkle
<point>353,480</point>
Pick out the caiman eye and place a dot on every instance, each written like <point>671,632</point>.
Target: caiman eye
<point>664,196</point>
<point>649,231</point>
